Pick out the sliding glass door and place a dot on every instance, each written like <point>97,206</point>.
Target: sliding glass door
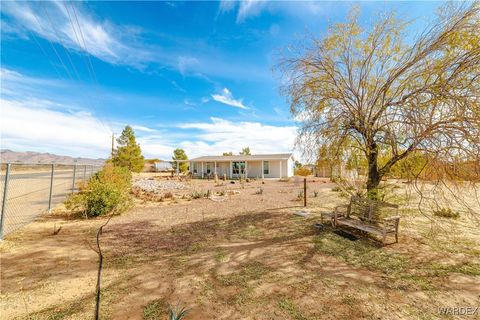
<point>238,168</point>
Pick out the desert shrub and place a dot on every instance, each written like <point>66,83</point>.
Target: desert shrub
<point>337,189</point>
<point>177,313</point>
<point>155,309</point>
<point>300,195</point>
<point>196,194</point>
<point>446,213</point>
<point>315,194</point>
<point>303,171</point>
<point>108,190</point>
<point>200,194</point>
<point>168,195</point>
<point>259,191</point>
<point>338,179</point>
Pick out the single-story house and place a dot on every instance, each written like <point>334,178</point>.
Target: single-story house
<point>251,166</point>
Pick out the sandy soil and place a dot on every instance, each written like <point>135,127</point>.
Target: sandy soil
<point>247,257</point>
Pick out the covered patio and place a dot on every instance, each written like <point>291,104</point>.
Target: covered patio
<point>251,166</point>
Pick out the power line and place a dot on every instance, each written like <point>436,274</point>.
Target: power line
<point>53,47</point>
<point>65,49</point>
<point>67,53</point>
<point>86,59</point>
<point>45,53</point>
<point>84,44</point>
<point>92,73</point>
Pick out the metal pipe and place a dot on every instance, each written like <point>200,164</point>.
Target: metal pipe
<point>74,175</point>
<point>304,192</point>
<point>4,200</point>
<point>51,189</point>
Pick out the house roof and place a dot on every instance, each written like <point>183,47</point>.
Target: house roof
<point>253,157</point>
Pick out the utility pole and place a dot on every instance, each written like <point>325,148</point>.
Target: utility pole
<point>113,142</point>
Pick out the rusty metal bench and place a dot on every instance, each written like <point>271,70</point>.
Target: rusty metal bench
<point>369,216</point>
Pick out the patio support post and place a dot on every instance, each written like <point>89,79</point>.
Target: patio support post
<point>280,169</point>
<point>231,170</point>
<point>263,170</point>
<point>202,170</point>
<point>246,169</point>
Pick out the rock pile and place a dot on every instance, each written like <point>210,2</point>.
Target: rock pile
<point>155,186</point>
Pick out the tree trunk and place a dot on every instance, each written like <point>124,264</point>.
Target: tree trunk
<point>374,177</point>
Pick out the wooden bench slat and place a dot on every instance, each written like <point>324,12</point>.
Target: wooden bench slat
<point>359,225</point>
<point>366,215</point>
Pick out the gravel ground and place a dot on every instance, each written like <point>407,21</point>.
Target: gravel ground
<point>156,186</point>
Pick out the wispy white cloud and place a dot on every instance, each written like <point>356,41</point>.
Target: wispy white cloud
<point>33,125</point>
<point>187,63</point>
<point>220,135</point>
<point>251,8</point>
<point>117,44</point>
<point>226,6</point>
<point>246,8</point>
<point>33,120</point>
<point>227,98</point>
<point>217,135</point>
<point>39,122</point>
<point>143,128</point>
<point>57,22</point>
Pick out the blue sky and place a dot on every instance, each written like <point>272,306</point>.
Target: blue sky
<point>195,75</point>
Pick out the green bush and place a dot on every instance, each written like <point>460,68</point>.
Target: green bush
<point>446,213</point>
<point>107,191</point>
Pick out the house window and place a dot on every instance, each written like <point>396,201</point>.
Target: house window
<point>266,169</point>
<point>238,167</point>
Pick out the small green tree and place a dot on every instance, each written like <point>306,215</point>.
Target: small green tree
<point>179,154</point>
<point>230,153</point>
<point>245,151</point>
<point>128,153</point>
<point>298,164</point>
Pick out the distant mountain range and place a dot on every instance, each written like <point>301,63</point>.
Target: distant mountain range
<point>37,157</point>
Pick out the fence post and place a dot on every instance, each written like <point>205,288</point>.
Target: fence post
<point>74,174</point>
<point>51,189</point>
<point>4,200</point>
<point>304,192</point>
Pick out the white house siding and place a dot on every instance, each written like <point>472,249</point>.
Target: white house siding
<point>278,168</point>
<point>274,169</point>
<point>290,166</point>
<point>254,169</point>
<point>223,168</point>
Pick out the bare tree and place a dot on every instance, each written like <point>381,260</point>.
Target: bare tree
<point>387,94</point>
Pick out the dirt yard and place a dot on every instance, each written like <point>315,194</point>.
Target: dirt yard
<point>239,254</point>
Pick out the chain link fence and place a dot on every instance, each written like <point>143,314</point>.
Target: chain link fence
<point>29,190</point>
